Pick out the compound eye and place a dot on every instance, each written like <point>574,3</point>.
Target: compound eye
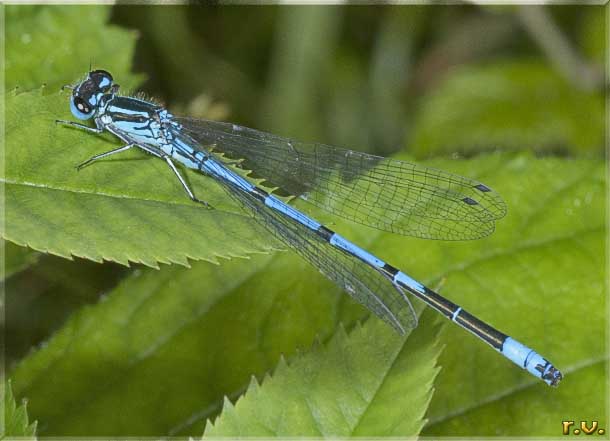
<point>82,105</point>
<point>101,73</point>
<point>102,78</point>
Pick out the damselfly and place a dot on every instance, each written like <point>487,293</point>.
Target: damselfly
<point>387,194</point>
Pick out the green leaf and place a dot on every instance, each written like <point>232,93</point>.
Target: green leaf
<point>16,422</point>
<point>541,279</point>
<point>511,106</point>
<point>126,209</point>
<point>17,258</point>
<point>370,383</point>
<point>541,415</point>
<point>181,339</point>
<point>54,45</point>
<point>193,332</point>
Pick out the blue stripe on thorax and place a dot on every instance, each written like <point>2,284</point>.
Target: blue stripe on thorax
<point>121,105</point>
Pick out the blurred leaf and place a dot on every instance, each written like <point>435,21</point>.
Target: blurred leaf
<point>511,106</point>
<point>179,63</point>
<point>199,334</point>
<point>39,299</point>
<point>16,422</point>
<point>55,45</point>
<point>122,209</point>
<point>17,258</point>
<point>366,107</point>
<point>456,40</point>
<point>593,32</point>
<point>303,50</point>
<point>393,55</point>
<point>370,383</point>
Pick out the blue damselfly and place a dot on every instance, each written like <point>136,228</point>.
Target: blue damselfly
<point>383,193</point>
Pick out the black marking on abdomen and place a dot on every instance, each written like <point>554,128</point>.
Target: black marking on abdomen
<point>201,159</point>
<point>438,302</point>
<point>325,233</point>
<point>390,271</point>
<point>260,194</point>
<point>488,334</point>
<point>463,318</point>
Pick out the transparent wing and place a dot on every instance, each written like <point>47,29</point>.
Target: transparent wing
<point>383,193</point>
<point>365,284</point>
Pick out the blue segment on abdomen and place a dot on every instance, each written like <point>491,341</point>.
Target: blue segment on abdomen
<point>196,159</point>
<point>340,242</point>
<point>215,168</point>
<point>408,281</point>
<point>293,213</point>
<point>525,357</point>
<point>186,154</point>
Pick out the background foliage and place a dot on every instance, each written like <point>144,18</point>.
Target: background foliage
<point>131,311</point>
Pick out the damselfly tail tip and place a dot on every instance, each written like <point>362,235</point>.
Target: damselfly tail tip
<point>531,361</point>
<point>552,376</point>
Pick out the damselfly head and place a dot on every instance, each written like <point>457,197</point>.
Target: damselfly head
<point>87,94</point>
